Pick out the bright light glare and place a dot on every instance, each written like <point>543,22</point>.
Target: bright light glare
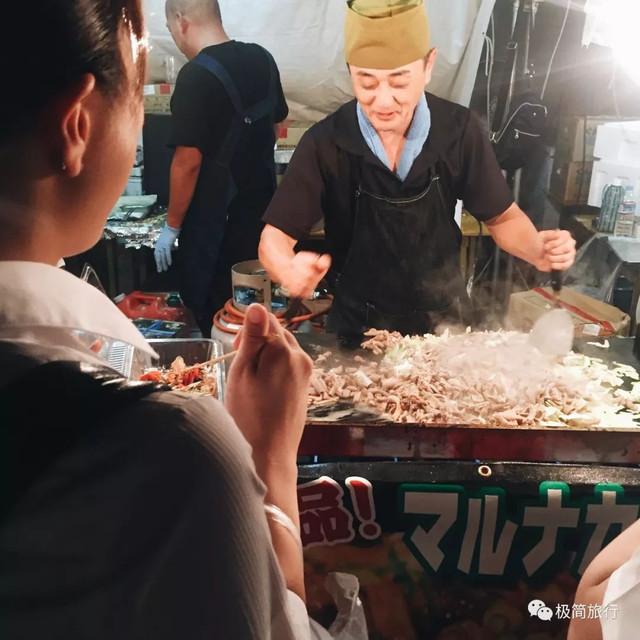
<point>618,23</point>
<point>140,45</point>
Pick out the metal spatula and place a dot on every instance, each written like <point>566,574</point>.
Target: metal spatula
<point>553,332</point>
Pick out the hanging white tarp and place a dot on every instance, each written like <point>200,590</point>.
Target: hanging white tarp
<point>306,39</point>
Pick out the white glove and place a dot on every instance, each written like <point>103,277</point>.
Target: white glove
<point>165,244</point>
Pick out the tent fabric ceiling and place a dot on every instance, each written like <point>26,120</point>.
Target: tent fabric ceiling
<point>306,39</point>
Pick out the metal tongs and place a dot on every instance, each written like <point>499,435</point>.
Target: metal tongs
<point>296,305</point>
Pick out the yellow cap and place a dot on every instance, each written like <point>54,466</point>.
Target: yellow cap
<point>385,34</point>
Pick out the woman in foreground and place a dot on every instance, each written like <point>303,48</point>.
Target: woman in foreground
<point>125,512</point>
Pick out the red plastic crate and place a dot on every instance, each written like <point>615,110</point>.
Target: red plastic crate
<point>153,306</point>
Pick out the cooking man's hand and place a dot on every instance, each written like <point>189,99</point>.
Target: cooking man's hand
<point>164,246</point>
<point>267,390</point>
<point>305,271</point>
<point>558,251</point>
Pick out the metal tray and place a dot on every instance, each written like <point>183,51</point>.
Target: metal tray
<point>193,351</point>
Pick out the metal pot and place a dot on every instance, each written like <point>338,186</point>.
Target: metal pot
<point>251,284</point>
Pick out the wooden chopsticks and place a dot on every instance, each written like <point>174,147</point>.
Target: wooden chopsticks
<point>226,356</point>
<point>212,362</point>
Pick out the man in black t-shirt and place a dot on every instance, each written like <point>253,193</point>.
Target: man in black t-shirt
<point>226,103</point>
<point>384,173</point>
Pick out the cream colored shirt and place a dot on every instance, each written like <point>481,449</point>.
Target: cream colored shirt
<point>41,310</point>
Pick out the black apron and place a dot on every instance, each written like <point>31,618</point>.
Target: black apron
<point>206,225</point>
<point>402,272</point>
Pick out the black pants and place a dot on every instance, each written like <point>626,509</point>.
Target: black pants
<point>220,293</point>
<point>242,236</point>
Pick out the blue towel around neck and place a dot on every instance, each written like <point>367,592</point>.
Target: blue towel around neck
<point>415,138</point>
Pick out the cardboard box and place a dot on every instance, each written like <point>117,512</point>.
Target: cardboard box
<point>162,89</point>
<point>576,137</point>
<point>570,182</point>
<point>291,131</point>
<point>157,98</point>
<point>157,104</point>
<point>591,317</point>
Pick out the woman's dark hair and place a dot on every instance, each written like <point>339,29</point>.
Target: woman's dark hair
<point>49,44</point>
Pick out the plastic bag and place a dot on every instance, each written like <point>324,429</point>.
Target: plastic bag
<point>350,623</point>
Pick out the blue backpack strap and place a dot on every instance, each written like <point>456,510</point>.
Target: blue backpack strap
<point>267,105</point>
<point>243,117</point>
<point>228,147</point>
<point>218,70</point>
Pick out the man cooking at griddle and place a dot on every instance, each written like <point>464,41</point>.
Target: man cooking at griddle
<point>384,172</point>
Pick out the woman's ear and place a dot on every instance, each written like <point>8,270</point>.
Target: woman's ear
<point>74,118</point>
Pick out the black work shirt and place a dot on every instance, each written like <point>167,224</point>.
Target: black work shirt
<point>321,182</point>
<point>202,113</point>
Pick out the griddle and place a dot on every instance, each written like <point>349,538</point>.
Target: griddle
<point>344,431</point>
